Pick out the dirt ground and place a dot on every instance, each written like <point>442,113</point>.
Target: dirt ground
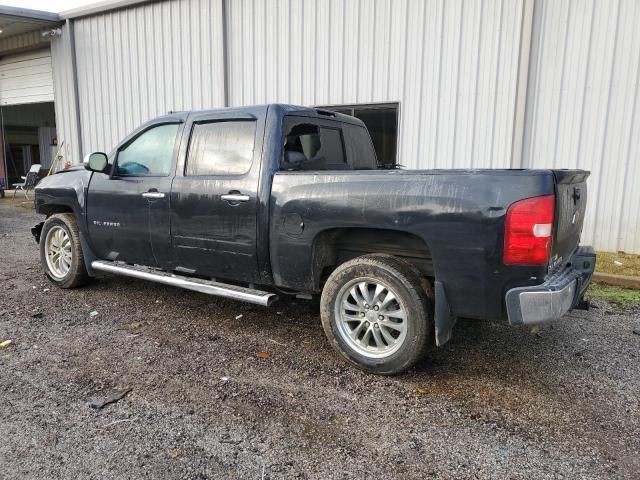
<point>496,402</point>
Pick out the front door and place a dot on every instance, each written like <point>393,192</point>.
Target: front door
<point>128,211</point>
<point>214,197</point>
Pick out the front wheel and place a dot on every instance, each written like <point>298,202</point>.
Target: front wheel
<point>61,253</point>
<point>376,314</point>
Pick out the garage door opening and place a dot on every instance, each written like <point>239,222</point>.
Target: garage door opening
<point>27,117</point>
<point>29,138</point>
<point>382,121</point>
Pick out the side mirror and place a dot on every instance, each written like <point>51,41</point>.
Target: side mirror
<point>96,162</point>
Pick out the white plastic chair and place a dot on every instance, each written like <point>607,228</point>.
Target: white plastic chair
<point>29,181</point>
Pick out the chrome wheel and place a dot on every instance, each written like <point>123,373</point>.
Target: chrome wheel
<point>58,252</point>
<point>371,318</point>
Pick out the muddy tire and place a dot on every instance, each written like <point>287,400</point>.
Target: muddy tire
<point>376,314</point>
<point>60,252</point>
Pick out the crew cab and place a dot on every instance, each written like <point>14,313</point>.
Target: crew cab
<point>259,202</point>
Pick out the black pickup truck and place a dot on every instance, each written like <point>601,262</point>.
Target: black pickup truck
<point>251,203</point>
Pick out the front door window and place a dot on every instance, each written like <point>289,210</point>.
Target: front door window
<point>150,153</point>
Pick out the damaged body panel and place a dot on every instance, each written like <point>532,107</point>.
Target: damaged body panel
<point>456,218</point>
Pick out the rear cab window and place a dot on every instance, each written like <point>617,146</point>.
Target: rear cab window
<point>309,145</point>
<point>360,149</point>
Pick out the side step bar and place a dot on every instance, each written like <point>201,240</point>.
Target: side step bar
<point>203,286</point>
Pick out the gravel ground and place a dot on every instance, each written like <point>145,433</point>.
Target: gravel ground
<point>496,402</point>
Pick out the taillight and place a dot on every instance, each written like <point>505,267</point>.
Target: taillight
<point>527,231</point>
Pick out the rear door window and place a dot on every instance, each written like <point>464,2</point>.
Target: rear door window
<point>221,148</point>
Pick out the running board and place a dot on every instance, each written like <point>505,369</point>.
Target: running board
<point>203,286</point>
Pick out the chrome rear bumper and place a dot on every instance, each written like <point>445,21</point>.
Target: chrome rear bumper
<point>556,296</point>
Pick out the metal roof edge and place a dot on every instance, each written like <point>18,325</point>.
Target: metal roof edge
<point>28,15</point>
<point>101,7</point>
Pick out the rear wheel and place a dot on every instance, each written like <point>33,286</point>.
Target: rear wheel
<point>61,253</point>
<point>376,315</point>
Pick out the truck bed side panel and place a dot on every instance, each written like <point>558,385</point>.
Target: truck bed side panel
<point>458,214</point>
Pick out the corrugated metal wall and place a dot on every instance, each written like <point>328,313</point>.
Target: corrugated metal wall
<point>64,96</point>
<point>469,94</point>
<point>453,67</point>
<point>583,109</point>
<point>138,63</point>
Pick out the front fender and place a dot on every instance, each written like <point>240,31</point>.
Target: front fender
<point>66,192</point>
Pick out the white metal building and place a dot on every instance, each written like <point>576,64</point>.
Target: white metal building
<point>440,83</point>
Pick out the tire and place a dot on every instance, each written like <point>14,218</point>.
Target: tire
<point>60,235</point>
<point>401,327</point>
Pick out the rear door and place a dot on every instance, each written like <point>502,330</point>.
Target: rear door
<point>571,202</point>
<point>214,196</point>
<point>128,211</point>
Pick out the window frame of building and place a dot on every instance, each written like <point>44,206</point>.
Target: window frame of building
<point>386,156</point>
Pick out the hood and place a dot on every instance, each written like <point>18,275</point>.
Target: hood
<point>73,168</point>
<point>74,179</point>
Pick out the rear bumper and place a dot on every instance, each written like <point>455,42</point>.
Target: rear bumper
<point>556,296</point>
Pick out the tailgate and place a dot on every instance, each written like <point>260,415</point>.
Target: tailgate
<point>571,202</point>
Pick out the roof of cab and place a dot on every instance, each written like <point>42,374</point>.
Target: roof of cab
<point>318,112</point>
<point>281,108</point>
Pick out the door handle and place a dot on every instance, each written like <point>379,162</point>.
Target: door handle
<point>153,195</point>
<point>235,197</point>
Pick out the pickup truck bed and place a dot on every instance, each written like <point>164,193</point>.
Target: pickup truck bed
<point>301,206</point>
<point>450,222</point>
